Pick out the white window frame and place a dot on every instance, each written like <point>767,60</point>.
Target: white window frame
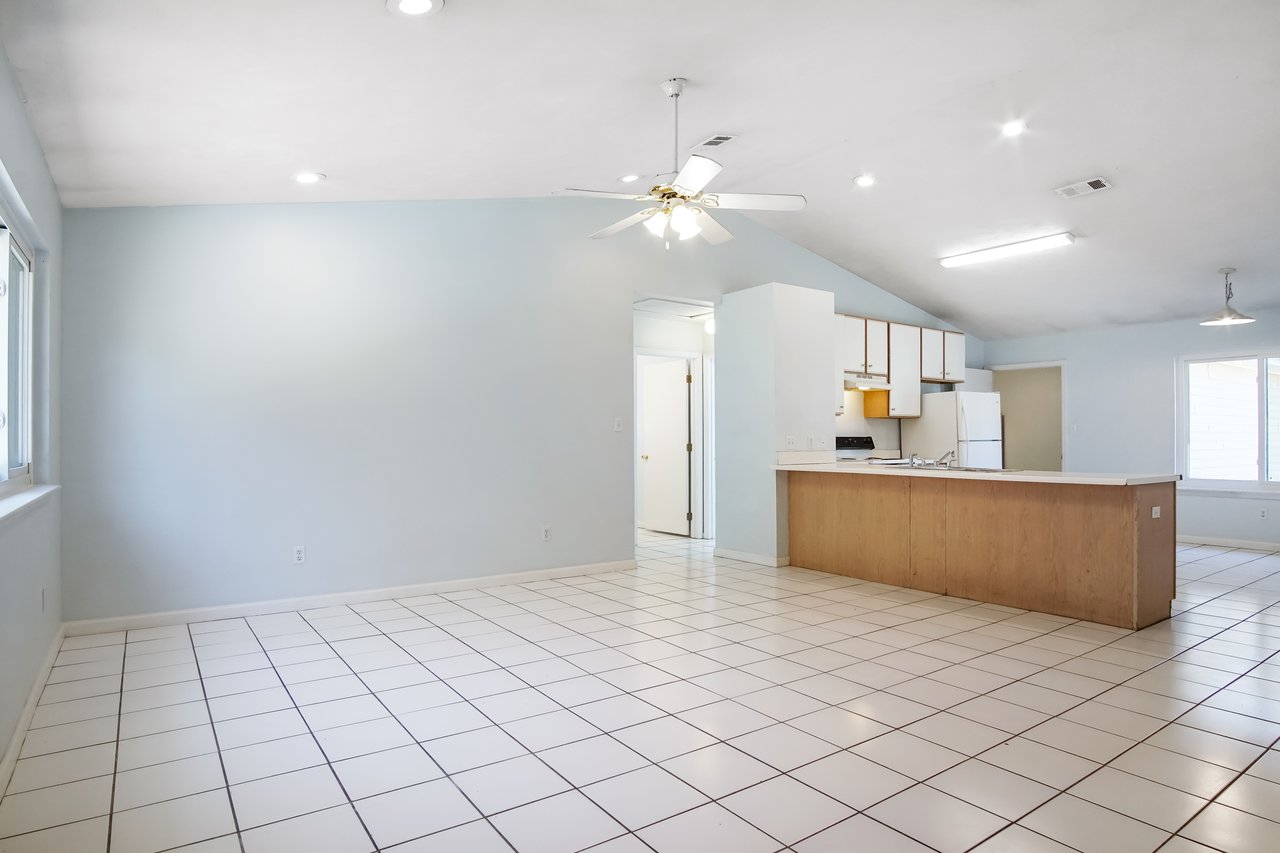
<point>20,477</point>
<point>1260,487</point>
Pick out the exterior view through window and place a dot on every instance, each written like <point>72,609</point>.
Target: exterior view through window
<point>1233,419</point>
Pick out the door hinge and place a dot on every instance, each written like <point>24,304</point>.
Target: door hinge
<point>688,448</point>
<point>688,378</point>
<point>688,516</point>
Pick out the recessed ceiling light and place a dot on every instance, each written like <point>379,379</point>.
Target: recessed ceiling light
<point>865,180</point>
<point>1013,128</point>
<point>414,8</point>
<point>308,177</point>
<point>629,179</point>
<point>1036,245</point>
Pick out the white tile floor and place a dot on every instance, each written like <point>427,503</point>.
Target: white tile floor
<point>694,704</point>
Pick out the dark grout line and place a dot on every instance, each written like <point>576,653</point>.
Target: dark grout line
<point>235,818</point>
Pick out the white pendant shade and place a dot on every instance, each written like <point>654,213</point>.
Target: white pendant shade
<point>1228,316</point>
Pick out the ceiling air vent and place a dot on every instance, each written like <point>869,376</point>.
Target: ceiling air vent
<point>715,141</point>
<point>1083,187</point>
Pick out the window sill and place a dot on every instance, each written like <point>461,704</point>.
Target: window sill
<point>14,505</point>
<point>1250,492</point>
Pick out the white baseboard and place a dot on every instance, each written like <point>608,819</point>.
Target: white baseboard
<point>10,759</point>
<point>758,559</point>
<point>258,608</point>
<point>1229,543</point>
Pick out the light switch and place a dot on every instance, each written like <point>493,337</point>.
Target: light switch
<point>1155,512</point>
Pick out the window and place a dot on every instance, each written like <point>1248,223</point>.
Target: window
<point>15,363</point>
<point>1233,419</point>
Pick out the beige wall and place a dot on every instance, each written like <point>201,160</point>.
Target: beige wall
<point>1031,402</point>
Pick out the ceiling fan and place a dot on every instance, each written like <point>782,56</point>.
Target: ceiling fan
<point>678,203</point>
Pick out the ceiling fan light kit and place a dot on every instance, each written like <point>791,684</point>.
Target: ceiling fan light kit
<point>1228,316</point>
<point>681,205</point>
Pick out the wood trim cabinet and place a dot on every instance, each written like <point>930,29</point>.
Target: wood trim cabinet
<point>904,371</point>
<point>932,366</point>
<point>877,345</point>
<point>953,357</point>
<point>851,343</point>
<point>906,355</point>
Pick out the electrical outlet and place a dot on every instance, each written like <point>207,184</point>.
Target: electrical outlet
<point>546,534</point>
<point>811,442</point>
<point>617,424</point>
<point>1155,512</point>
<point>299,553</point>
<point>1262,513</point>
<point>792,443</point>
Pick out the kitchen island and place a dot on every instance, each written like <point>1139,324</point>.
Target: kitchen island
<point>1098,547</point>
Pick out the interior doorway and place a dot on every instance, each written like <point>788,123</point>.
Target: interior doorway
<point>1031,408</point>
<point>664,440</point>
<point>674,384</point>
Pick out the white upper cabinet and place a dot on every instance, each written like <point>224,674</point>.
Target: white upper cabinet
<point>877,339</point>
<point>931,362</point>
<point>851,343</point>
<point>953,357</point>
<point>904,370</point>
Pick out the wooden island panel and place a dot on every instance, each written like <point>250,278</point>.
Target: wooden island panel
<point>1084,551</point>
<point>873,518</point>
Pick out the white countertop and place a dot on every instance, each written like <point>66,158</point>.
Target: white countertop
<point>1065,477</point>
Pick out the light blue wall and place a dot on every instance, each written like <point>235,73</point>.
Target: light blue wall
<point>1120,390</point>
<point>29,542</point>
<point>411,390</point>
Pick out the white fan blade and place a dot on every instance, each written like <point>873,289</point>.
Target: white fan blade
<point>602,194</point>
<point>753,201</point>
<point>713,232</point>
<point>633,219</point>
<point>696,174</point>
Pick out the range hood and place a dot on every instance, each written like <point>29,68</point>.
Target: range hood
<point>865,382</point>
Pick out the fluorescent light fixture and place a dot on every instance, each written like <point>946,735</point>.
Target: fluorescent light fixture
<point>1014,128</point>
<point>1053,241</point>
<point>414,8</point>
<point>308,177</point>
<point>865,180</point>
<point>629,179</point>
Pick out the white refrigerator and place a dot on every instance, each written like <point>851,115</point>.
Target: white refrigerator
<point>966,422</point>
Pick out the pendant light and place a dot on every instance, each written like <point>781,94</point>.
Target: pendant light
<point>1229,315</point>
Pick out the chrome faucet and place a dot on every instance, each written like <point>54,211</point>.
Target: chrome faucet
<point>914,461</point>
<point>945,460</point>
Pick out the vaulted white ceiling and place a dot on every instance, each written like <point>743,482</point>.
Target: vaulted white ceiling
<point>154,102</point>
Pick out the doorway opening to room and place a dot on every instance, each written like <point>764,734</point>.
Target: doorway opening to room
<point>674,388</point>
<point>1032,409</point>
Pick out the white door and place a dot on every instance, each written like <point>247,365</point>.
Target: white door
<point>664,446</point>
